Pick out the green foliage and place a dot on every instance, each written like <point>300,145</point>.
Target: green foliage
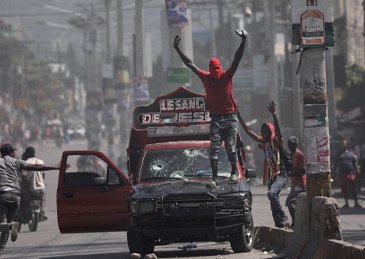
<point>353,94</point>
<point>35,79</point>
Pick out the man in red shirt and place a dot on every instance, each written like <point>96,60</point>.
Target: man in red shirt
<point>297,174</point>
<point>222,107</point>
<point>275,175</point>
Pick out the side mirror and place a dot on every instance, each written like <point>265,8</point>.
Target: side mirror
<point>250,173</point>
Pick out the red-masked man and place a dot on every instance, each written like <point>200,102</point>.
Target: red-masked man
<point>222,107</point>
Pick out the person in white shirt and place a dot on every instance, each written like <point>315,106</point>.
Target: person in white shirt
<point>35,179</point>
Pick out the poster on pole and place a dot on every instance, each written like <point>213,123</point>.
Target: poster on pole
<point>176,12</point>
<point>317,146</point>
<point>140,90</point>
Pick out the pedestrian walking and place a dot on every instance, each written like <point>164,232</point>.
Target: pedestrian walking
<point>347,168</point>
<point>10,168</point>
<point>222,107</point>
<point>275,176</point>
<point>297,176</point>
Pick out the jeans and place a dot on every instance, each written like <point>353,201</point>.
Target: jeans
<point>224,128</point>
<point>9,203</point>
<point>291,200</point>
<point>277,211</point>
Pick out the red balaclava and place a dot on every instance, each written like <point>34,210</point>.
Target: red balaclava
<point>270,127</point>
<point>215,68</point>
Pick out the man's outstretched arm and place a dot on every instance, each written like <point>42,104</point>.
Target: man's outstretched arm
<point>272,110</point>
<point>32,167</point>
<point>187,61</point>
<point>239,52</point>
<point>247,129</point>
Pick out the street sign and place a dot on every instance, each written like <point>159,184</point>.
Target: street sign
<point>178,75</point>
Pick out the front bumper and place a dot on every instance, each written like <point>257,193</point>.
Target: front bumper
<point>198,217</point>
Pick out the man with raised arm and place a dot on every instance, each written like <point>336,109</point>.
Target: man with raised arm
<point>275,176</point>
<point>222,107</point>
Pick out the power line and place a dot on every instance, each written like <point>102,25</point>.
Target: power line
<point>33,14</point>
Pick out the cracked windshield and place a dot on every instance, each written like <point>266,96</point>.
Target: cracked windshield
<point>182,163</point>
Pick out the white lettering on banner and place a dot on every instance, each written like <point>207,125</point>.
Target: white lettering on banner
<point>187,104</point>
<point>150,118</point>
<point>154,118</point>
<point>193,117</point>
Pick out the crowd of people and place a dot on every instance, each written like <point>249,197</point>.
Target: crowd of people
<point>22,134</point>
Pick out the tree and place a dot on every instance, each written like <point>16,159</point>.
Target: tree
<point>353,93</point>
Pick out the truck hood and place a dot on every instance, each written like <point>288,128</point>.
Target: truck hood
<point>160,189</point>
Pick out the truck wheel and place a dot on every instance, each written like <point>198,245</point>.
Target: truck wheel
<point>243,241</point>
<point>139,243</point>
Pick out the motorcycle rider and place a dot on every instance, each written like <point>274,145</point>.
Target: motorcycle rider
<point>10,190</point>
<point>33,181</point>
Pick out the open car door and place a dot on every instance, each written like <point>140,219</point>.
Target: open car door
<point>92,194</point>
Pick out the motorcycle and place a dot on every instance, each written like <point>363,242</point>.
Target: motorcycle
<point>29,211</point>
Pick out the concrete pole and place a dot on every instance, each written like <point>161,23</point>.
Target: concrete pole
<point>273,88</point>
<point>297,101</point>
<point>212,33</point>
<point>108,108</point>
<point>119,28</point>
<point>93,40</point>
<point>331,92</point>
<point>313,81</point>
<point>107,31</point>
<point>124,113</point>
<point>139,30</point>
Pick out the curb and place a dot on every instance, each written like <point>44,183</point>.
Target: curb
<point>294,245</point>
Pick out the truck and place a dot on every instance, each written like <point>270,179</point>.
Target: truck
<point>165,197</point>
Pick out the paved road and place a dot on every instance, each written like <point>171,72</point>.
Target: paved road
<point>47,242</point>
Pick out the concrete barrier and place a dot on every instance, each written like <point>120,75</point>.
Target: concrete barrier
<point>322,241</point>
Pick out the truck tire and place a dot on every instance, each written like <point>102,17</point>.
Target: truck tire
<point>139,243</point>
<point>243,241</point>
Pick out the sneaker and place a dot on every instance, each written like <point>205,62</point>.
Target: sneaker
<point>14,231</point>
<point>42,218</point>
<point>212,184</point>
<point>150,256</point>
<point>233,179</point>
<point>136,256</point>
<point>345,206</point>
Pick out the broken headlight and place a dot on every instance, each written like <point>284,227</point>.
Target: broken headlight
<point>143,207</point>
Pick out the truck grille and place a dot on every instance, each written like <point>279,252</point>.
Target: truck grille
<point>194,212</point>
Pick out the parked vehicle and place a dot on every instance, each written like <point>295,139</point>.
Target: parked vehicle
<point>76,130</point>
<point>167,197</point>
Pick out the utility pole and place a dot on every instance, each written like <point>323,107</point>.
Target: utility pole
<point>119,28</point>
<point>309,17</point>
<point>89,25</point>
<point>139,31</point>
<point>109,96</point>
<point>273,89</point>
<point>122,81</point>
